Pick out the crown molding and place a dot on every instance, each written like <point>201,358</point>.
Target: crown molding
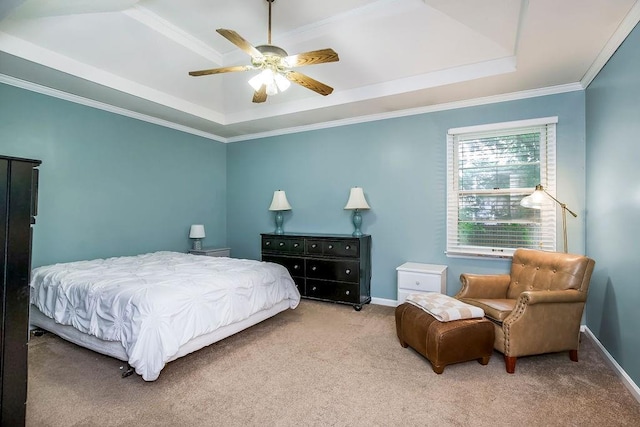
<point>552,90</point>
<point>33,87</point>
<point>625,28</point>
<point>172,32</point>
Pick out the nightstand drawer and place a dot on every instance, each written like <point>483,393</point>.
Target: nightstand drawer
<point>419,281</point>
<point>415,277</point>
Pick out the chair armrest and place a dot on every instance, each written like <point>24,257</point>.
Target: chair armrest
<point>484,286</point>
<point>543,297</point>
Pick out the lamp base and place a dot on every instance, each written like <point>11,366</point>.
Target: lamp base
<point>357,222</point>
<point>279,219</point>
<point>197,244</point>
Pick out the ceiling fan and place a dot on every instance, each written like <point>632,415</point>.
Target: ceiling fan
<point>276,65</point>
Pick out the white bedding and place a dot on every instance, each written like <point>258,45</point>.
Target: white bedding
<point>155,303</point>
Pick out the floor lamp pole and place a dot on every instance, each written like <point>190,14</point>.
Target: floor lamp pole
<point>565,209</point>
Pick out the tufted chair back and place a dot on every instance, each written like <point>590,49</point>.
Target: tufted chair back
<point>533,270</point>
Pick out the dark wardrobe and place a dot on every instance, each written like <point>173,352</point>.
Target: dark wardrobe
<point>18,200</point>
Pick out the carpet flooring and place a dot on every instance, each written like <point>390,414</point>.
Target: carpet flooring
<point>323,364</point>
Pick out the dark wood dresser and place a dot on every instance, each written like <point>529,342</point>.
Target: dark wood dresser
<point>18,191</point>
<point>327,267</point>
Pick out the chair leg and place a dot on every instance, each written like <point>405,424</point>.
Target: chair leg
<point>573,355</point>
<point>510,364</point>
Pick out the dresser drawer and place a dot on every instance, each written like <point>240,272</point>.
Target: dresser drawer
<point>293,264</point>
<point>300,284</point>
<point>342,292</point>
<point>333,248</point>
<point>339,270</point>
<point>283,245</point>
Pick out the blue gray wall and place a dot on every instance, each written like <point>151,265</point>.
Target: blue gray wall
<point>111,185</point>
<point>401,165</point>
<point>613,204</point>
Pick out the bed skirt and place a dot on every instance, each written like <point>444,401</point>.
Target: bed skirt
<point>116,350</point>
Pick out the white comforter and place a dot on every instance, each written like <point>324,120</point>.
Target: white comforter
<point>154,303</point>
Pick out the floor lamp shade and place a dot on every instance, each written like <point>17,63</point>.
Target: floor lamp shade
<point>197,234</point>
<point>356,203</point>
<point>279,203</point>
<point>539,199</point>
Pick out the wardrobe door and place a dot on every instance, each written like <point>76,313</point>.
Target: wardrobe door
<point>17,191</point>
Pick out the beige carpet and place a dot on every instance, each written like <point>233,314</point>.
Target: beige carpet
<point>323,364</point>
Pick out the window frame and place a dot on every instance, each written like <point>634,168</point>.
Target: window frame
<point>546,239</point>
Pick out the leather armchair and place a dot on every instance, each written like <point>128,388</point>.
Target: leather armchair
<point>535,309</point>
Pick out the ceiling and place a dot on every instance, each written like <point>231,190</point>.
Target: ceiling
<point>397,57</point>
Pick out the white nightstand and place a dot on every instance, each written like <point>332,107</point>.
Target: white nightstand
<point>415,277</point>
<point>211,252</point>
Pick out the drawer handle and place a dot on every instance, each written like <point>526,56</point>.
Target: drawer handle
<point>417,283</point>
<point>330,246</point>
<point>347,293</point>
<point>267,243</point>
<point>295,267</point>
<point>295,245</point>
<point>348,271</point>
<point>314,245</point>
<point>281,243</point>
<point>314,288</point>
<point>313,268</point>
<point>347,247</point>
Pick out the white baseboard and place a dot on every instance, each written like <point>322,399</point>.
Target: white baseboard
<point>382,301</point>
<point>626,380</point>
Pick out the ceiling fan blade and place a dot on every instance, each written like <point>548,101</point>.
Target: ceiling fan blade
<point>309,83</point>
<point>260,95</point>
<point>309,58</point>
<point>237,39</point>
<point>222,70</point>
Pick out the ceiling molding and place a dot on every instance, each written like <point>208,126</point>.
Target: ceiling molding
<point>394,87</point>
<point>172,32</point>
<point>33,87</point>
<point>515,96</point>
<point>31,52</point>
<point>625,28</point>
<point>379,8</point>
<point>553,90</point>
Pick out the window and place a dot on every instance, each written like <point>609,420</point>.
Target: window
<point>490,169</point>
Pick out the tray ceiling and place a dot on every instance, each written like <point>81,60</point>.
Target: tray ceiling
<point>396,56</point>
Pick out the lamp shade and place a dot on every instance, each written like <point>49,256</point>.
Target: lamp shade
<point>537,200</point>
<point>279,202</point>
<point>197,231</point>
<point>357,200</point>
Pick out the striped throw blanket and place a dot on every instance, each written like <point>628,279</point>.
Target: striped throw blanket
<point>444,308</point>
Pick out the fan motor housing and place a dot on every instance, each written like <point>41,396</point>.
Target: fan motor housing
<point>271,50</point>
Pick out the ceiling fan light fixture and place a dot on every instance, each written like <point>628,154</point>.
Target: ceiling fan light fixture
<point>274,82</point>
<point>282,82</point>
<point>274,65</point>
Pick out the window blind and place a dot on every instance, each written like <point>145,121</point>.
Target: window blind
<point>490,169</point>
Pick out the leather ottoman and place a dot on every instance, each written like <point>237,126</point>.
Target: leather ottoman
<point>444,343</point>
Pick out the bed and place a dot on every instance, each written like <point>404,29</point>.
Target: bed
<point>153,308</point>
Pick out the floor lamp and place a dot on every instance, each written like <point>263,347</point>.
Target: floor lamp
<point>538,199</point>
